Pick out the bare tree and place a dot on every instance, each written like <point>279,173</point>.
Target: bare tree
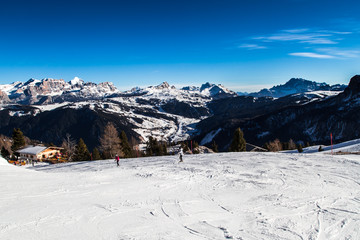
<point>292,144</point>
<point>69,145</point>
<point>274,146</point>
<point>110,142</point>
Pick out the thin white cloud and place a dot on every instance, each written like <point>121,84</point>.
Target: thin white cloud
<point>311,55</point>
<point>340,53</point>
<point>319,41</point>
<point>312,38</point>
<point>251,46</point>
<point>296,30</point>
<point>305,36</point>
<point>335,32</point>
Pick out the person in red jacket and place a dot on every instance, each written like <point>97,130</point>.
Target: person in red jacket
<point>117,158</point>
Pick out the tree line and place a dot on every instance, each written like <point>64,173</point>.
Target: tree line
<point>277,145</point>
<point>112,143</point>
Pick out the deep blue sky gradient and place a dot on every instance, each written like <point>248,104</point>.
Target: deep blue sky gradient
<point>244,45</point>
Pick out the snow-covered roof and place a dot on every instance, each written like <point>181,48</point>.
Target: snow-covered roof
<point>32,150</point>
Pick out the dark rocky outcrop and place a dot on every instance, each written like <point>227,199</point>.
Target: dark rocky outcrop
<point>354,86</point>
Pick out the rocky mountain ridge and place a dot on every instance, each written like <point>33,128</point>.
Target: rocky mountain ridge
<point>49,91</point>
<point>51,107</point>
<point>48,109</point>
<point>296,85</point>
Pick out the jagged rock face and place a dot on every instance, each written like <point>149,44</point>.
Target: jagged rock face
<point>205,86</point>
<point>3,97</point>
<point>163,85</point>
<point>108,86</point>
<point>49,86</point>
<point>49,90</point>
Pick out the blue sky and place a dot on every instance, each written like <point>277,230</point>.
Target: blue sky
<point>245,45</point>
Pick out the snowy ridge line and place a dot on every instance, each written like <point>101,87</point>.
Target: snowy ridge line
<point>47,91</point>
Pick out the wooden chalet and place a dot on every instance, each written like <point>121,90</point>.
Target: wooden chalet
<point>39,153</point>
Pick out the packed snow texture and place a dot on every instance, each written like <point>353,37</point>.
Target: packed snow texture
<point>208,196</point>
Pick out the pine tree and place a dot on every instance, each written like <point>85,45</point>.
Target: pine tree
<point>300,148</point>
<point>96,154</point>
<point>150,146</point>
<point>6,142</point>
<point>81,152</point>
<point>18,139</point>
<point>155,148</point>
<point>125,147</point>
<point>214,147</point>
<point>110,142</point>
<point>165,152</point>
<point>238,143</point>
<point>159,149</point>
<point>4,152</point>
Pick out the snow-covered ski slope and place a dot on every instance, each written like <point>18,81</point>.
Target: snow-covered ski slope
<point>352,146</point>
<point>209,196</point>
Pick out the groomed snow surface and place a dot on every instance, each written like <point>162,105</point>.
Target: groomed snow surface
<point>209,196</point>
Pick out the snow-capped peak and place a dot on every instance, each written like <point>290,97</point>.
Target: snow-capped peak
<point>163,85</point>
<point>296,85</point>
<point>216,91</point>
<point>76,81</point>
<point>205,86</point>
<point>31,82</point>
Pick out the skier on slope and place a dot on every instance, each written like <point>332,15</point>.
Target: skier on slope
<point>117,158</point>
<point>181,154</point>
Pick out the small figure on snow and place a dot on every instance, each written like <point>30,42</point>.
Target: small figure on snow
<point>117,159</point>
<point>181,155</point>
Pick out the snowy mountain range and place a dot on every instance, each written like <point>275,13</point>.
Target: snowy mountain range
<point>48,109</point>
<point>48,91</point>
<point>307,117</point>
<point>297,85</point>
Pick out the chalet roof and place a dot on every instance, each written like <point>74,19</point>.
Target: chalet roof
<point>32,150</point>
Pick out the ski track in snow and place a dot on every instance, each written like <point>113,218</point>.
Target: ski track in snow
<point>211,196</point>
